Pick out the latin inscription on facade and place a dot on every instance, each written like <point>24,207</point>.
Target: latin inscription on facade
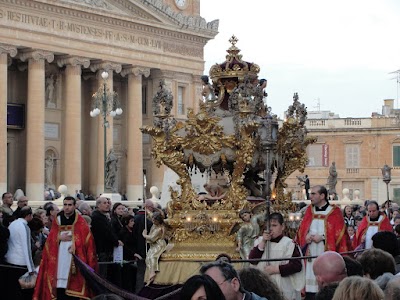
<point>52,131</point>
<point>84,31</point>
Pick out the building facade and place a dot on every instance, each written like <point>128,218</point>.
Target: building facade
<point>52,54</point>
<point>360,147</point>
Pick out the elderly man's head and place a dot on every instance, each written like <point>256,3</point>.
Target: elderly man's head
<point>329,267</point>
<point>22,201</point>
<point>85,208</point>
<point>103,205</point>
<point>149,205</point>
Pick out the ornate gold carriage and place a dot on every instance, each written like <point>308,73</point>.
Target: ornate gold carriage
<point>234,138</point>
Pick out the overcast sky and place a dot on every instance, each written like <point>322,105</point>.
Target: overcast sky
<point>335,53</point>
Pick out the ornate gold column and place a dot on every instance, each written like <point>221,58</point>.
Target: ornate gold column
<point>72,142</point>
<point>4,51</point>
<point>134,173</point>
<point>99,68</point>
<point>35,121</point>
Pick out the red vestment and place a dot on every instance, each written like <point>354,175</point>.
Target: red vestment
<point>82,238</point>
<point>383,225</point>
<point>336,237</point>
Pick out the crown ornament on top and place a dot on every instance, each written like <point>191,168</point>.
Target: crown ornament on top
<point>233,66</point>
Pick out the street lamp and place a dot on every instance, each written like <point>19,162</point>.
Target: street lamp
<point>105,103</point>
<point>387,177</point>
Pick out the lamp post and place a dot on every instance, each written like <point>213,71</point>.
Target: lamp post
<point>387,177</point>
<point>105,103</point>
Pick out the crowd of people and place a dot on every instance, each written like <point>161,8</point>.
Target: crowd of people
<point>43,242</point>
<point>351,253</point>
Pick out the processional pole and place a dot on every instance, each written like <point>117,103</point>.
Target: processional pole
<point>144,205</point>
<point>268,138</point>
<point>267,194</point>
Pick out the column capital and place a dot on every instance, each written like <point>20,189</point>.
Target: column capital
<point>106,66</point>
<point>73,61</point>
<point>36,55</point>
<point>9,49</point>
<point>135,71</point>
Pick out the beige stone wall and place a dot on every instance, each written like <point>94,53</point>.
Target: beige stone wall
<point>375,142</point>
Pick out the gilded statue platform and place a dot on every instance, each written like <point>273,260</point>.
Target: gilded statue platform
<point>235,141</point>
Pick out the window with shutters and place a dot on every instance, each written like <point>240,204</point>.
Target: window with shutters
<point>181,106</point>
<point>314,154</point>
<point>352,156</point>
<point>396,195</point>
<point>318,155</point>
<point>396,156</point>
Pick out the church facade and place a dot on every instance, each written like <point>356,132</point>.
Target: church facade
<point>52,55</point>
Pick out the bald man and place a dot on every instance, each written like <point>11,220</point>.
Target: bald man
<point>22,202</point>
<point>329,267</point>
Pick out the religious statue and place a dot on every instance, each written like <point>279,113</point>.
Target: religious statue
<point>50,91</point>
<point>156,241</point>
<point>386,173</point>
<point>162,101</point>
<point>49,168</point>
<point>304,181</point>
<point>208,90</point>
<point>247,233</point>
<point>332,179</point>
<point>111,171</point>
<point>262,83</point>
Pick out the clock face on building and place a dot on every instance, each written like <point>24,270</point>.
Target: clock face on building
<point>181,3</point>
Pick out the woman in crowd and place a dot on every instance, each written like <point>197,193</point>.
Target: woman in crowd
<point>129,253</point>
<point>348,215</point>
<point>395,213</point>
<point>201,287</point>
<point>117,212</point>
<point>358,288</point>
<point>37,239</point>
<point>351,232</point>
<point>41,214</point>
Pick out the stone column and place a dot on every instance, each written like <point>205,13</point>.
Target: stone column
<point>72,141</point>
<point>4,51</point>
<point>134,182</point>
<point>35,121</point>
<point>99,68</point>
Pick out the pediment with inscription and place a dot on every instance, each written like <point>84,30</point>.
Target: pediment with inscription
<point>148,10</point>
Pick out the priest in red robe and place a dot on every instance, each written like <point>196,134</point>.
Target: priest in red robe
<point>322,229</point>
<point>374,222</point>
<point>58,276</point>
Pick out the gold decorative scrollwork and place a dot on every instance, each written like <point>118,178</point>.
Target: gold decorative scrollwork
<point>204,135</point>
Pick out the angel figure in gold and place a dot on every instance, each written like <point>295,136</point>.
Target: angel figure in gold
<point>157,243</point>
<point>247,233</point>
